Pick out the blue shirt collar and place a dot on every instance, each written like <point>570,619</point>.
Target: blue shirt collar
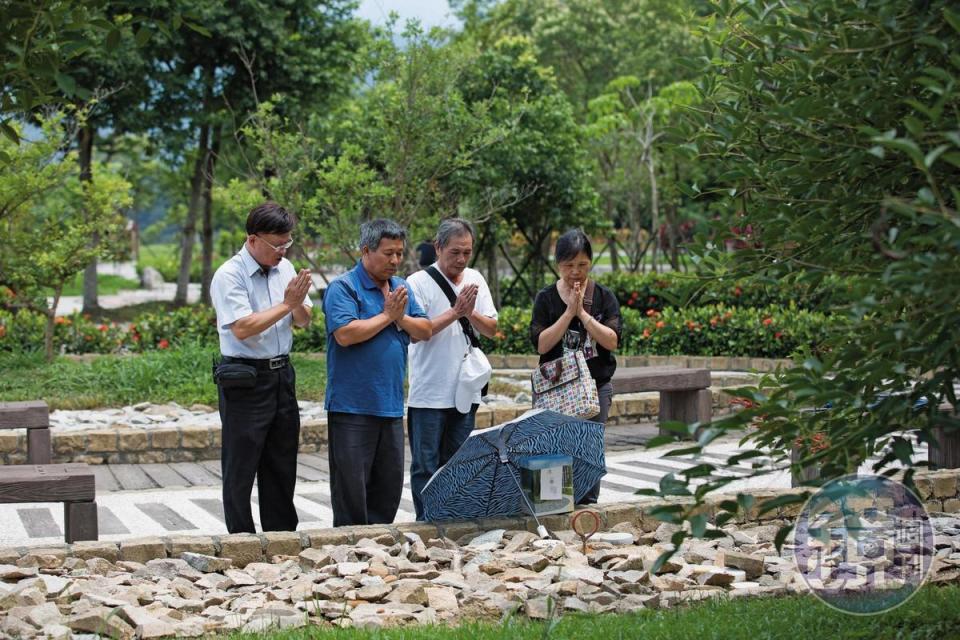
<point>366,281</point>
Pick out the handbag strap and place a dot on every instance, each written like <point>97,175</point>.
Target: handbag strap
<point>468,331</point>
<point>588,296</point>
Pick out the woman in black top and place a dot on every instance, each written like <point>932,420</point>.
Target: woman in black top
<point>562,319</point>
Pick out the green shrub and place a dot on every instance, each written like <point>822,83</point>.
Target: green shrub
<point>22,331</point>
<point>195,324</point>
<point>711,330</point>
<point>513,332</point>
<point>645,291</point>
<point>719,330</point>
<point>313,338</point>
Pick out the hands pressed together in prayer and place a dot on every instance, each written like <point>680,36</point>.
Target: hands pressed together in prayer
<point>395,304</point>
<point>297,289</point>
<point>466,301</point>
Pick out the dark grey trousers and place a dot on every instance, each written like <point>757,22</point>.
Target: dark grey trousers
<point>605,391</point>
<point>366,468</point>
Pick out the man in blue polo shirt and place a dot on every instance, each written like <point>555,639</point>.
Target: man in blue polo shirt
<point>371,319</point>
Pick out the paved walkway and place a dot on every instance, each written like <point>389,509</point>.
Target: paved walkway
<point>162,499</point>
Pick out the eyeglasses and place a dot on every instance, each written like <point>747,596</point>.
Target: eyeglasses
<point>286,245</point>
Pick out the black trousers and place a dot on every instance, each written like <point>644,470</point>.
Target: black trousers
<point>605,391</point>
<point>261,437</point>
<point>366,468</point>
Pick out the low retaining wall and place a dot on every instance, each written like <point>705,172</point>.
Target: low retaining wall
<point>937,489</point>
<point>191,443</point>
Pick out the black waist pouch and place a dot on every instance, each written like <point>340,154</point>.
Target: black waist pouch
<point>234,375</point>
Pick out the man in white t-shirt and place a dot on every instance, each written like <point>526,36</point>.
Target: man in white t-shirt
<point>436,427</point>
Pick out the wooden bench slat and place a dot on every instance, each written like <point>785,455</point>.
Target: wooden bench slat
<point>636,379</point>
<point>30,414</point>
<point>47,483</point>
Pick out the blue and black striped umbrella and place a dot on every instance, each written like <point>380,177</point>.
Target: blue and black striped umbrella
<point>482,480</point>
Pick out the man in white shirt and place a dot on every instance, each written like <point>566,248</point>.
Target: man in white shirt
<point>258,296</point>
<point>436,427</point>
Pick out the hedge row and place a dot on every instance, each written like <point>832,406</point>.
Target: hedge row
<point>659,291</point>
<point>772,331</point>
<point>710,330</point>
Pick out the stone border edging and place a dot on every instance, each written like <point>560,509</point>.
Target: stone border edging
<point>937,489</point>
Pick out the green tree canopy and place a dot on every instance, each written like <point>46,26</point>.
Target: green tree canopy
<point>836,129</point>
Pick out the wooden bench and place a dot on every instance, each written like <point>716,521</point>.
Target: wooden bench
<point>34,416</point>
<point>72,484</point>
<point>42,481</point>
<point>684,393</point>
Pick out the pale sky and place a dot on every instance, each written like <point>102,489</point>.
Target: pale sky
<point>430,13</point>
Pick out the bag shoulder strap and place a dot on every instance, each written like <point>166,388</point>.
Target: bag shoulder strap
<point>468,330</point>
<point>588,297</point>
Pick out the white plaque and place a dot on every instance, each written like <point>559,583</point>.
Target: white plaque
<point>551,483</point>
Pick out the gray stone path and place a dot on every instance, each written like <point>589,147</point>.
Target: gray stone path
<point>160,499</point>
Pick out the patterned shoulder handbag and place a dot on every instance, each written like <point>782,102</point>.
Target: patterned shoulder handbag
<point>564,385</point>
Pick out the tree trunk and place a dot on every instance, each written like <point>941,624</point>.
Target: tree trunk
<point>654,206</point>
<point>51,313</point>
<point>91,302</point>
<point>207,235</point>
<point>493,275</point>
<point>190,224</point>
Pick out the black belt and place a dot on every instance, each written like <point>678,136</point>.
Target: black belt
<point>268,364</point>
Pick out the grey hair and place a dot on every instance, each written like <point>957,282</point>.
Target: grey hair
<point>372,232</point>
<point>453,228</point>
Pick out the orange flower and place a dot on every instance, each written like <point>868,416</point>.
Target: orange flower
<point>163,344</point>
<point>651,313</point>
<point>103,327</point>
<point>3,331</point>
<point>661,324</point>
<point>646,333</point>
<point>767,322</point>
<point>714,321</point>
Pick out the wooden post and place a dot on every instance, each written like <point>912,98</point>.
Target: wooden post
<point>807,474</point>
<point>685,406</point>
<point>39,449</point>
<point>944,451</point>
<point>34,416</point>
<point>80,521</point>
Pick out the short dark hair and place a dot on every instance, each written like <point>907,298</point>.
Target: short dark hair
<point>270,217</point>
<point>371,233</point>
<point>570,244</point>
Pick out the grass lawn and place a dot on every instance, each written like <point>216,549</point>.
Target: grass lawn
<point>106,285</point>
<point>182,376</point>
<point>932,614</point>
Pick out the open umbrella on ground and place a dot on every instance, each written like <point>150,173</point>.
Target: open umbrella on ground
<point>482,479</point>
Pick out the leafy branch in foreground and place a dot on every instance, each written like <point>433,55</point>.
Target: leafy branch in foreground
<point>842,156</point>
